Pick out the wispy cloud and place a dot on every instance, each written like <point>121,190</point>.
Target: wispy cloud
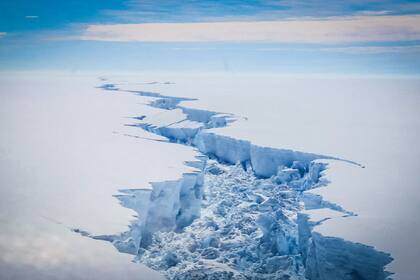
<point>31,17</point>
<point>2,34</point>
<point>312,30</point>
<point>374,13</point>
<point>242,10</point>
<point>374,49</point>
<point>348,49</point>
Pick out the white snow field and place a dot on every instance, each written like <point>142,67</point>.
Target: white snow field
<point>286,177</point>
<point>63,155</point>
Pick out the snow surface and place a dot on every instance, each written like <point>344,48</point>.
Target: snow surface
<point>64,153</point>
<point>58,131</point>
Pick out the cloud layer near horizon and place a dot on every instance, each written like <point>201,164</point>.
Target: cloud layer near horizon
<point>319,30</point>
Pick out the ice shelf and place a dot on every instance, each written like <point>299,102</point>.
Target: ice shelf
<point>243,213</point>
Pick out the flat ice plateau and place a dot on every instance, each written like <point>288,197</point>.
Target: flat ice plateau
<point>253,177</point>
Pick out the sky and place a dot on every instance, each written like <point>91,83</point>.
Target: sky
<point>350,37</point>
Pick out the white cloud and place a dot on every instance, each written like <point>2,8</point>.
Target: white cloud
<point>31,17</point>
<point>350,49</point>
<point>375,49</point>
<point>309,30</point>
<point>374,13</point>
<point>2,34</point>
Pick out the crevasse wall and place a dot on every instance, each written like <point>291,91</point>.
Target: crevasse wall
<point>168,206</point>
<point>331,258</point>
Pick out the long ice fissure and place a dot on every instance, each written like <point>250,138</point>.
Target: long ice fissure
<point>239,215</point>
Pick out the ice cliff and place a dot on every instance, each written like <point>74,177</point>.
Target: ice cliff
<point>239,214</point>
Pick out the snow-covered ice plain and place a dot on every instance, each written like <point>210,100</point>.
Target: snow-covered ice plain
<point>284,177</point>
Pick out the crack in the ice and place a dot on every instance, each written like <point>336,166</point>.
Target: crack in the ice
<point>238,216</point>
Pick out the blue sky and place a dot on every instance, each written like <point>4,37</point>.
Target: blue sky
<point>310,37</point>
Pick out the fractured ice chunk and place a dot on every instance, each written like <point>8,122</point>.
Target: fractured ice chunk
<point>285,175</point>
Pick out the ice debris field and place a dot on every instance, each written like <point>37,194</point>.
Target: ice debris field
<point>241,213</point>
